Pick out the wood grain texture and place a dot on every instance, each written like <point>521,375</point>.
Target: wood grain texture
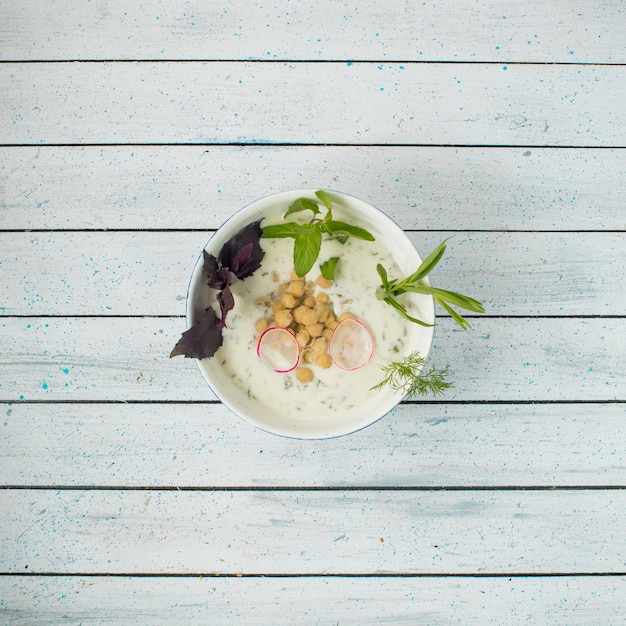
<point>123,359</point>
<point>529,30</point>
<point>307,532</point>
<point>51,601</point>
<point>437,445</point>
<point>371,103</point>
<point>199,187</point>
<point>501,123</point>
<point>112,273</point>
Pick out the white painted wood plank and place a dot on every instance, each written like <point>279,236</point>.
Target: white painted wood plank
<point>138,273</point>
<point>201,186</point>
<point>437,445</point>
<point>122,359</point>
<point>361,103</point>
<point>576,600</point>
<point>530,30</point>
<point>306,532</point>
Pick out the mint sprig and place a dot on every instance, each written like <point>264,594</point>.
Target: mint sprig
<point>308,237</point>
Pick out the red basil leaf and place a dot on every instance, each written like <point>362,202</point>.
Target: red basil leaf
<point>201,340</point>
<point>227,303</point>
<point>228,257</point>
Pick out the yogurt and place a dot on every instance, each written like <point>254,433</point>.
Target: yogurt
<point>334,393</point>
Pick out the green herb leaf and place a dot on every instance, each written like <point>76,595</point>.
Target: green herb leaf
<point>382,272</point>
<point>341,230</point>
<point>306,249</point>
<point>323,196</point>
<point>402,310</point>
<point>308,237</point>
<point>302,204</point>
<point>328,268</point>
<point>280,230</point>
<point>429,262</point>
<point>407,376</point>
<point>412,284</point>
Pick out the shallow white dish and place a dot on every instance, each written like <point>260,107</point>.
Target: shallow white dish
<point>319,422</point>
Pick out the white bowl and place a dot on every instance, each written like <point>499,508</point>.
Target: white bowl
<point>320,423</point>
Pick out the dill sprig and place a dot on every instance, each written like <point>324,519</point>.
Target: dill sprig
<point>408,376</point>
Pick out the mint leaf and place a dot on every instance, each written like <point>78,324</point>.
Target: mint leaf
<point>328,268</point>
<point>290,229</point>
<point>305,251</point>
<point>302,204</point>
<point>323,196</point>
<point>341,230</point>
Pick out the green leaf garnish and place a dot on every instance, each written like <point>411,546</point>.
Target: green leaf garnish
<point>323,196</point>
<point>389,290</point>
<point>408,377</point>
<point>308,237</point>
<point>306,249</point>
<point>328,268</point>
<point>302,204</point>
<point>341,229</point>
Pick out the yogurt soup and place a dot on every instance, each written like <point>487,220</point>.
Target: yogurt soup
<point>334,394</point>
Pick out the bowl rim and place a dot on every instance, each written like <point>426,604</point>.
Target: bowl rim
<point>242,217</point>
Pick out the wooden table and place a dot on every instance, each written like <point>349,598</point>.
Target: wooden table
<point>130,131</point>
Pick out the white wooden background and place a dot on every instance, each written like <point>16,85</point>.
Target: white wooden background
<point>129,131</point>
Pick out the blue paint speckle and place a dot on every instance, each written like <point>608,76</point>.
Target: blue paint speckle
<point>65,370</point>
<point>504,67</point>
<point>44,385</point>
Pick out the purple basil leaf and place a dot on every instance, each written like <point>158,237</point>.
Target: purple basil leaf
<point>222,278</point>
<point>243,266</point>
<point>242,260</point>
<point>227,303</point>
<point>210,265</point>
<point>201,340</point>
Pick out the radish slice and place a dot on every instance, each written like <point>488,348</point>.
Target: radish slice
<point>279,348</point>
<point>351,345</point>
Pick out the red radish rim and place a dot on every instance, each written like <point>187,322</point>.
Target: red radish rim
<point>286,330</point>
<point>330,343</point>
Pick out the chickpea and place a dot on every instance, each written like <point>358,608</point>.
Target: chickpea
<point>322,298</point>
<point>324,283</point>
<point>331,323</point>
<point>315,330</point>
<point>303,337</point>
<point>322,312</point>
<point>327,333</point>
<point>319,346</point>
<point>346,316</point>
<point>309,301</point>
<point>309,317</point>
<point>294,276</point>
<point>309,288</point>
<point>324,361</point>
<point>282,288</point>
<point>304,374</point>
<point>288,300</point>
<point>299,312</point>
<point>277,305</point>
<point>296,288</point>
<point>308,356</point>
<point>283,318</point>
<point>260,325</point>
